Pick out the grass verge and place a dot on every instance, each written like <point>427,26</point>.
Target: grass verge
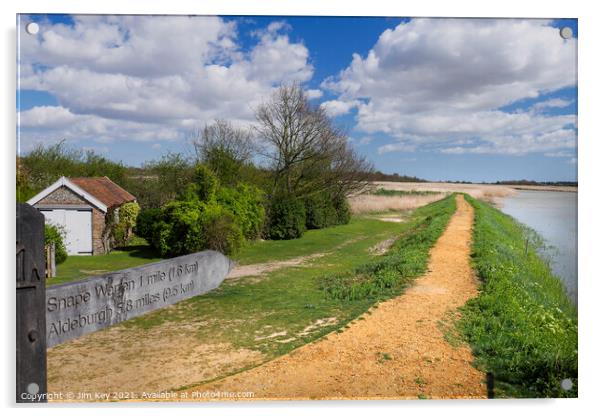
<point>522,327</point>
<point>407,259</point>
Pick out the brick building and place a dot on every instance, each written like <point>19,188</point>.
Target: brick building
<point>81,207</point>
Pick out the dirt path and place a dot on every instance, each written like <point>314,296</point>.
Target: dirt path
<point>257,269</point>
<point>398,350</point>
<point>261,268</point>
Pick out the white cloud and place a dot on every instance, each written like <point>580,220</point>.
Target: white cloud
<point>151,78</point>
<point>436,81</point>
<point>396,147</point>
<point>335,108</point>
<point>313,94</point>
<point>552,103</point>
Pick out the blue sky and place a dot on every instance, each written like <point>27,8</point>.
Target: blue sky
<point>441,99</point>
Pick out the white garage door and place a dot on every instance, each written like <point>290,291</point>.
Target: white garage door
<point>78,228</point>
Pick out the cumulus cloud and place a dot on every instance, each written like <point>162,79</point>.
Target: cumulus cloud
<point>313,94</point>
<point>151,78</point>
<point>337,108</point>
<point>432,82</point>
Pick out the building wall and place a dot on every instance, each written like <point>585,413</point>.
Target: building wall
<point>64,196</point>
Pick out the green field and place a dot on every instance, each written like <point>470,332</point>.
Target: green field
<point>522,327</point>
<point>260,251</point>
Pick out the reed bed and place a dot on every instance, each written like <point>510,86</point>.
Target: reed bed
<point>367,203</point>
<point>479,191</point>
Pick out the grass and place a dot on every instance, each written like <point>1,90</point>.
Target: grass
<point>394,192</point>
<point>522,327</point>
<point>79,267</point>
<point>245,312</point>
<point>390,274</point>
<point>287,308</point>
<point>139,252</point>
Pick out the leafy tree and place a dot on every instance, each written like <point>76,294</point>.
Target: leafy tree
<point>45,164</point>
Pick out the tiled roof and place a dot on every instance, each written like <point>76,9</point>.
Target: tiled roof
<point>105,190</point>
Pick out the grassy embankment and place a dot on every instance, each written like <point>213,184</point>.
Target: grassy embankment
<point>289,300</point>
<point>286,308</point>
<point>522,327</point>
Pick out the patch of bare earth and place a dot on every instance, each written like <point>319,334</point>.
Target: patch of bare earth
<point>398,351</point>
<point>259,269</point>
<point>134,360</point>
<point>262,268</point>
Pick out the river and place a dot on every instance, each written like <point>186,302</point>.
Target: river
<point>554,216</point>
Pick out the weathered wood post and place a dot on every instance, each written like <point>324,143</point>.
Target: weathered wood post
<point>31,301</point>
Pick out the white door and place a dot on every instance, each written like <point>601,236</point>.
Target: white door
<point>77,225</point>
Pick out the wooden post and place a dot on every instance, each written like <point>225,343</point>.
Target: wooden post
<point>31,301</point>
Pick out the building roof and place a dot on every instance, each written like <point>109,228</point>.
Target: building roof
<point>100,191</point>
<point>104,189</point>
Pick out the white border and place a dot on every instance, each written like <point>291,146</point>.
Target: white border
<point>590,172</point>
<point>63,181</point>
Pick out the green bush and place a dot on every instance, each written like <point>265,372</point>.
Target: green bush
<point>342,209</point>
<point>286,218</point>
<point>220,230</point>
<point>319,211</point>
<point>121,230</point>
<point>179,231</point>
<point>146,221</point>
<point>205,185</point>
<point>183,227</point>
<point>324,210</point>
<point>245,202</point>
<point>52,234</point>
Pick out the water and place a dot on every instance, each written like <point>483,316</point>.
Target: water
<point>554,216</point>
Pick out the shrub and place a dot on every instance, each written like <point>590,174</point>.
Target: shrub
<point>205,185</point>
<point>245,202</point>
<point>342,209</point>
<point>121,230</point>
<point>146,222</point>
<point>286,218</point>
<point>55,234</point>
<point>183,227</point>
<point>319,211</point>
<point>179,230</point>
<point>220,230</point>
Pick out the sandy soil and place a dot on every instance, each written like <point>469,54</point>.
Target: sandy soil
<point>396,351</point>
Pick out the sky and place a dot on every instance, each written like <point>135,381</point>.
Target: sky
<point>440,99</point>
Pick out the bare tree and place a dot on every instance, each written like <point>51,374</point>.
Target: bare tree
<point>224,147</point>
<point>308,153</point>
<point>224,136</point>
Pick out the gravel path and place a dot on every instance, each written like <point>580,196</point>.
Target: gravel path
<point>397,351</point>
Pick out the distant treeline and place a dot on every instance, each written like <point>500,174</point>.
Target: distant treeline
<point>378,176</point>
<point>528,182</point>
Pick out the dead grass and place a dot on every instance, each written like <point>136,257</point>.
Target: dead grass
<point>366,203</point>
<point>480,191</point>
